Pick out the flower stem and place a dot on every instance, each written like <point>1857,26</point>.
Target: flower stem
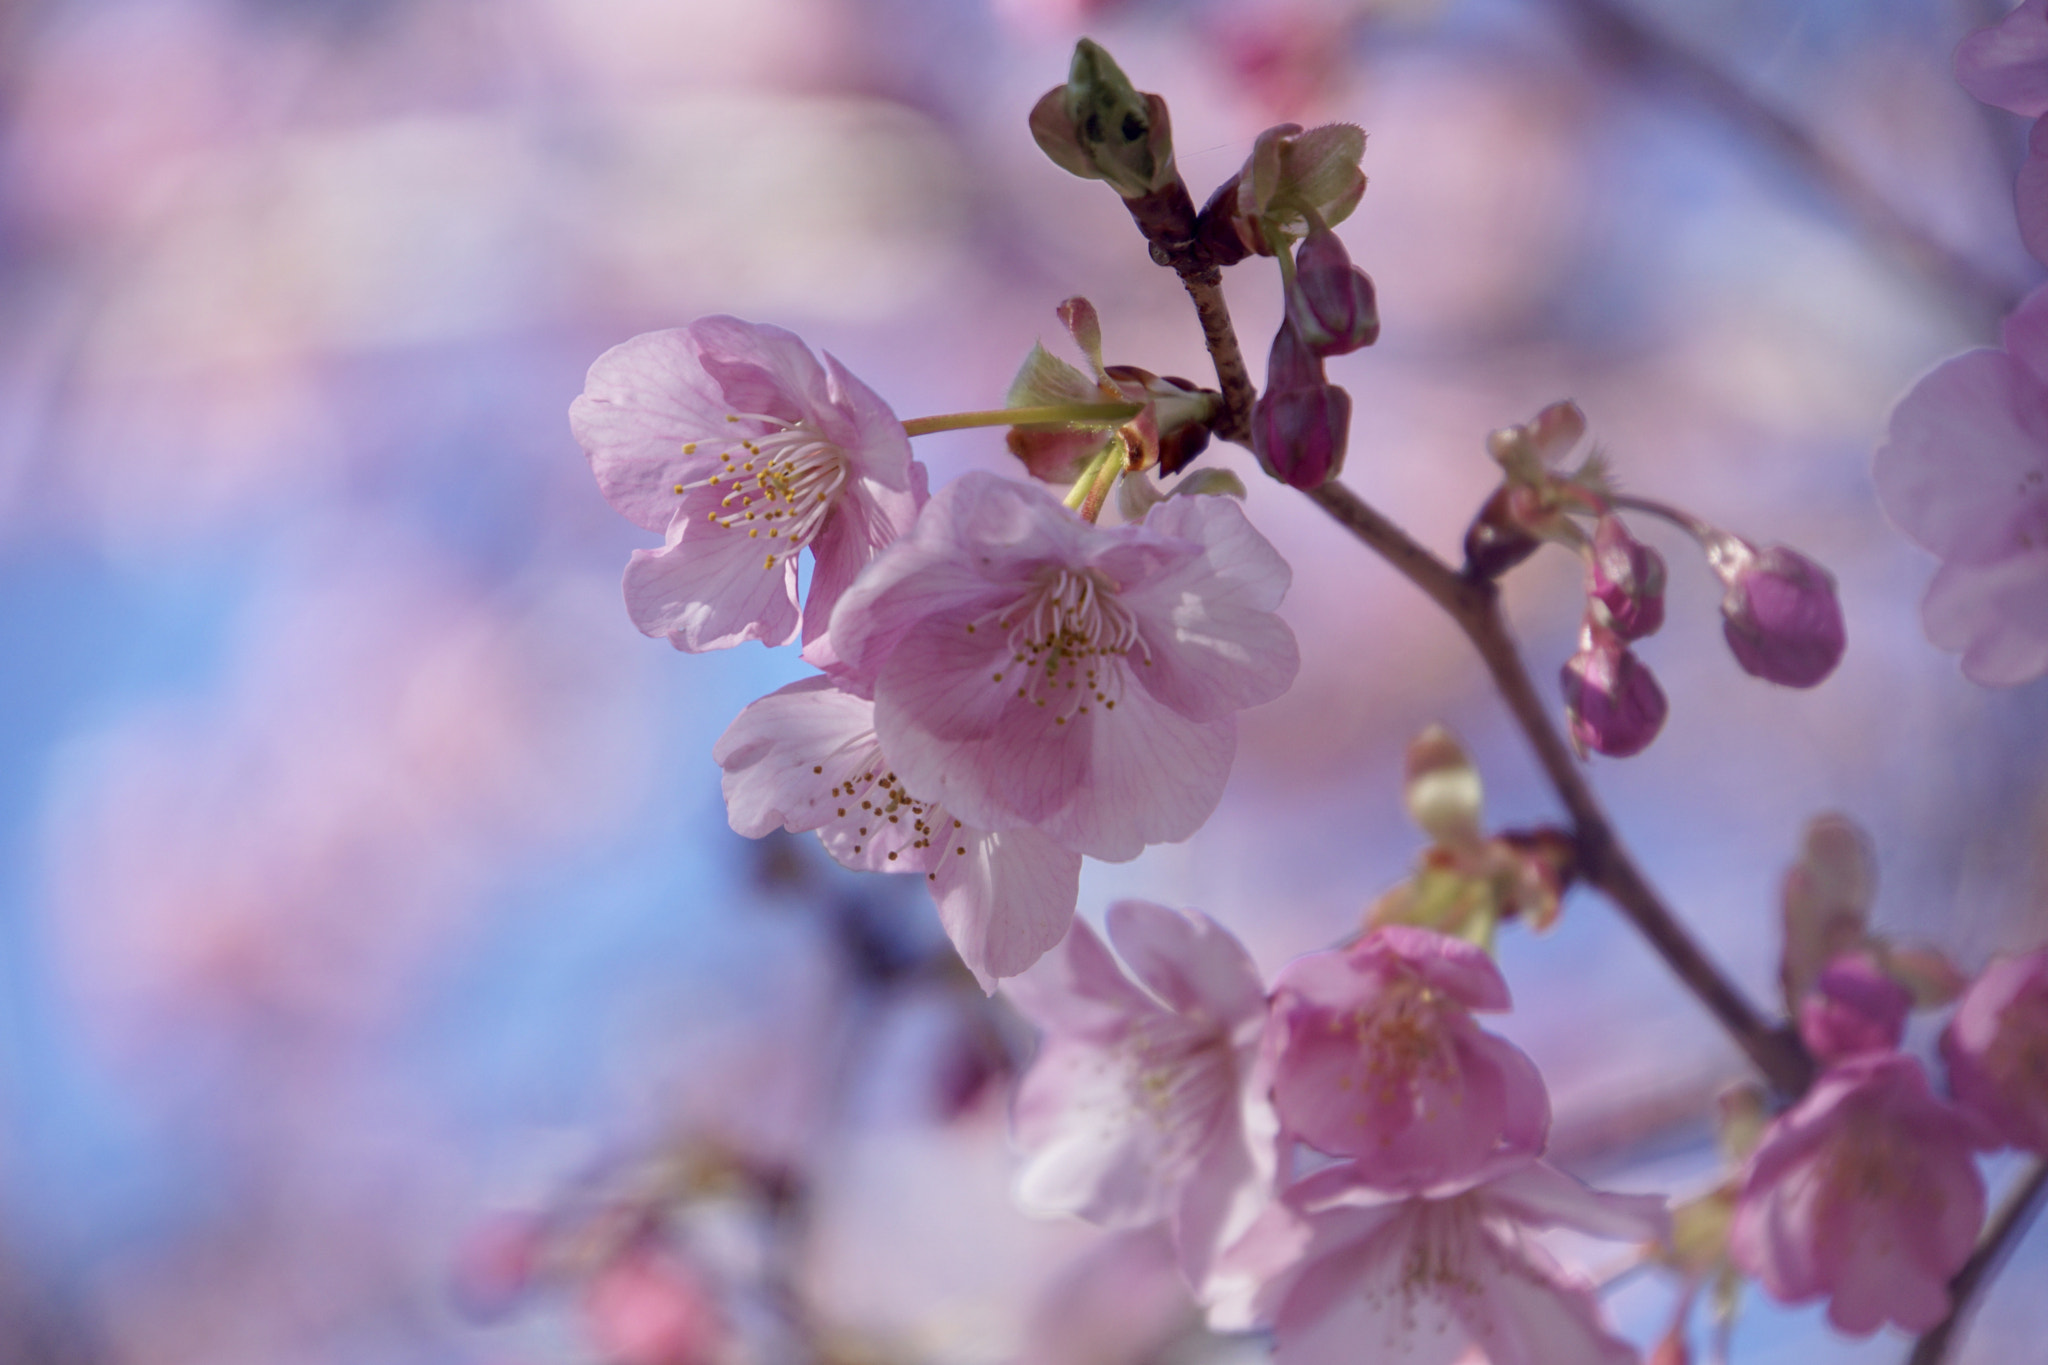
<point>1051,414</point>
<point>2005,1230</point>
<point>1683,520</point>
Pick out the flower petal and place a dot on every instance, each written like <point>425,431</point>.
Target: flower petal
<point>710,591</point>
<point>1005,898</point>
<point>1996,615</point>
<point>1188,960</point>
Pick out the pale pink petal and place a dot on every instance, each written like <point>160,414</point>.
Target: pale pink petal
<point>2030,199</point>
<point>765,370</point>
<point>1360,1305</point>
<point>1005,898</point>
<point>1996,615</point>
<point>1525,1313</point>
<point>2007,64</point>
<point>877,447</point>
<point>1540,1195</point>
<point>1154,777</point>
<point>1992,1044</point>
<point>711,592</point>
<point>643,400</point>
<point>1964,464</point>
<point>1101,782</point>
<point>772,752</point>
<point>1220,1202</point>
<point>1229,650</point>
<point>1074,991</point>
<point>1187,960</point>
<point>1101,1170</point>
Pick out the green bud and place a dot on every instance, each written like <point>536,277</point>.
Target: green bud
<point>1100,127</point>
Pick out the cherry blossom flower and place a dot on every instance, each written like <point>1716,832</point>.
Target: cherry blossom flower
<point>1864,1193</point>
<point>1964,473</point>
<point>1996,1048</point>
<point>1374,1056</point>
<point>807,758</point>
<point>729,437</point>
<point>1137,1107</point>
<point>2006,65</point>
<point>649,1306</point>
<point>1342,1273</point>
<point>1032,669</point>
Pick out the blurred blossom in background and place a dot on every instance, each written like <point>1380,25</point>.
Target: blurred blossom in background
<point>364,874</point>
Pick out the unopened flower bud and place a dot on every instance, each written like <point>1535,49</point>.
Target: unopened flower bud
<point>1100,127</point>
<point>1497,541</point>
<point>1331,301</point>
<point>1611,699</point>
<point>1854,1007</point>
<point>1626,577</point>
<point>1301,421</point>
<point>1780,613</point>
<point>1294,179</point>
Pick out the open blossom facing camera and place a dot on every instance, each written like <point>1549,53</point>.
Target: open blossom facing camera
<point>1864,1193</point>
<point>731,439</point>
<point>1344,1274</point>
<point>1135,1109</point>
<point>1374,1055</point>
<point>1032,669</point>
<point>806,758</point>
<point>1964,472</point>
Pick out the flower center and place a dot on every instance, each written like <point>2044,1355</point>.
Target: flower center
<point>782,481</point>
<point>880,811</point>
<point>1065,634</point>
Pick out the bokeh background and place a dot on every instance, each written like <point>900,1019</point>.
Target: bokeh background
<point>363,873</point>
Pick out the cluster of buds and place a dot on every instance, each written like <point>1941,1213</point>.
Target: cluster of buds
<point>1779,612</point>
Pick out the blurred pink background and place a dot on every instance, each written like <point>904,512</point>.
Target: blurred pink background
<point>363,873</point>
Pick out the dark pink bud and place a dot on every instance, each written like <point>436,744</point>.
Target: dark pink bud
<point>1496,541</point>
<point>1300,422</point>
<point>648,1307</point>
<point>1611,698</point>
<point>1853,1007</point>
<point>1780,613</point>
<point>1627,578</point>
<point>1331,303</point>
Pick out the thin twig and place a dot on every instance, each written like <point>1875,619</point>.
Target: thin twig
<point>2005,1230</point>
<point>1625,39</point>
<point>1603,859</point>
<point>1205,287</point>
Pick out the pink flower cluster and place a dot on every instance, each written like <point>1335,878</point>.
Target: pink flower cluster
<point>1351,1160</point>
<point>1866,1193</point>
<point>1964,469</point>
<point>1006,687</point>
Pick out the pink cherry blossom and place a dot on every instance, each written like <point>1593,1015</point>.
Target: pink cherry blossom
<point>1965,473</point>
<point>1374,1055</point>
<point>807,758</point>
<point>1136,1107</point>
<point>649,1306</point>
<point>1032,669</point>
<point>1996,1048</point>
<point>1343,1274</point>
<point>2007,65</point>
<point>1864,1193</point>
<point>730,438</point>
